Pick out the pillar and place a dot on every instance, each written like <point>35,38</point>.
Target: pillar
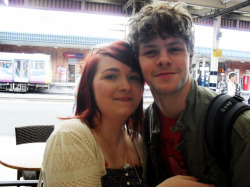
<point>214,60</point>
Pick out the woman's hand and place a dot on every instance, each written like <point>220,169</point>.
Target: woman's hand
<point>181,180</point>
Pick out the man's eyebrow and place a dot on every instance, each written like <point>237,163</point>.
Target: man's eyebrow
<point>174,43</point>
<point>145,46</point>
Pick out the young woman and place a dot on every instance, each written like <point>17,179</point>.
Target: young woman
<point>101,146</point>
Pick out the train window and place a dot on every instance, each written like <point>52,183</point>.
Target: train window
<point>38,65</point>
<point>5,64</point>
<point>25,68</point>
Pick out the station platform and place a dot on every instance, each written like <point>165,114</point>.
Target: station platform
<point>62,87</point>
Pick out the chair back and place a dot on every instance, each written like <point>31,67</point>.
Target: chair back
<point>34,133</point>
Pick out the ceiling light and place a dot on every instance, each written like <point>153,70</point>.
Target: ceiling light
<point>225,1</point>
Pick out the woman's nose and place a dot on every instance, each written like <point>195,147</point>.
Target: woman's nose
<point>125,85</point>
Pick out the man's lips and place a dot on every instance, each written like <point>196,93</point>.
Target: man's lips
<point>164,74</point>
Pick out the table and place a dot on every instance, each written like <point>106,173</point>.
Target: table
<point>27,156</point>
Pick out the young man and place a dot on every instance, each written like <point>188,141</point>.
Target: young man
<point>231,87</point>
<point>162,35</point>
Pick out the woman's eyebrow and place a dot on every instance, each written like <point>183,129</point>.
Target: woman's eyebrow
<point>111,69</point>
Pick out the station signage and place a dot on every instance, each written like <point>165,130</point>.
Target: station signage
<point>73,55</point>
<point>217,53</point>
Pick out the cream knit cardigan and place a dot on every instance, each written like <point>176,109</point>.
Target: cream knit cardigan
<point>72,157</point>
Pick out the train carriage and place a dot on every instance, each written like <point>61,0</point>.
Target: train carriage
<point>23,72</point>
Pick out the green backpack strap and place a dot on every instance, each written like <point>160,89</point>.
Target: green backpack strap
<point>221,115</point>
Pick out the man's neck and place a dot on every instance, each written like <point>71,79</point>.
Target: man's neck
<point>172,105</point>
<point>232,82</point>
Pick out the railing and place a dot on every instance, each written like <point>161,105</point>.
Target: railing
<point>19,183</point>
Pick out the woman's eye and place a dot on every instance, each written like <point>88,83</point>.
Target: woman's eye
<point>135,77</point>
<point>110,77</point>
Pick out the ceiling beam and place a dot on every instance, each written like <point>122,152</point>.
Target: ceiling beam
<point>128,4</point>
<point>238,17</point>
<point>114,2</point>
<point>226,11</point>
<point>217,4</point>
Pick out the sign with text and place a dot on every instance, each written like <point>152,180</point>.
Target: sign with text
<point>73,55</point>
<point>217,53</point>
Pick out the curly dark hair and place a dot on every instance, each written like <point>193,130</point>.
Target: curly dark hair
<point>163,19</point>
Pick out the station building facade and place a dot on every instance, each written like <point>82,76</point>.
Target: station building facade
<point>69,50</point>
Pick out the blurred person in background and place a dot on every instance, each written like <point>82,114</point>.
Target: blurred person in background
<point>79,70</point>
<point>231,87</point>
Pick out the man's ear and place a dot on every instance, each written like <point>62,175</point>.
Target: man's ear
<point>190,62</point>
<point>190,65</point>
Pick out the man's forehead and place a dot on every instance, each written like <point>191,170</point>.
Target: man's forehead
<point>168,41</point>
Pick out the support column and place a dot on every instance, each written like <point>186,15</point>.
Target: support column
<point>83,5</point>
<point>203,76</point>
<point>214,60</point>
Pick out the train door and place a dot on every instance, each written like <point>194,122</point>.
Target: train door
<point>71,69</point>
<point>21,71</point>
<point>71,73</point>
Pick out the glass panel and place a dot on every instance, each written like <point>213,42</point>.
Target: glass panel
<point>38,65</point>
<point>17,68</point>
<point>25,68</point>
<point>5,64</point>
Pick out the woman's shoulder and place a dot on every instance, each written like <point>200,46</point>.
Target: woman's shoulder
<point>72,125</point>
<point>73,130</point>
<point>72,155</point>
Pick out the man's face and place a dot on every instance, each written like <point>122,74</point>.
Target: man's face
<point>234,78</point>
<point>165,64</point>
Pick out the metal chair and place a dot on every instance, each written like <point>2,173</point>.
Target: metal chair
<point>32,183</point>
<point>31,134</point>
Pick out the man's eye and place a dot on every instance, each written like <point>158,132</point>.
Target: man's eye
<point>150,52</point>
<point>175,49</point>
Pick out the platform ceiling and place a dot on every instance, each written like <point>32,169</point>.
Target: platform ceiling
<point>205,9</point>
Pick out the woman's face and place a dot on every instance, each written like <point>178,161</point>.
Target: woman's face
<point>78,69</point>
<point>117,89</point>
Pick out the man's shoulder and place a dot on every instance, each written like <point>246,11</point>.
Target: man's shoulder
<point>242,125</point>
<point>206,91</point>
<point>203,95</point>
<point>197,91</point>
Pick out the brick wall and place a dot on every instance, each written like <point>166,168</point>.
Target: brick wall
<point>242,66</point>
<point>58,59</point>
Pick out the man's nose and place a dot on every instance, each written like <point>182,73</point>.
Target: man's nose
<point>163,58</point>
